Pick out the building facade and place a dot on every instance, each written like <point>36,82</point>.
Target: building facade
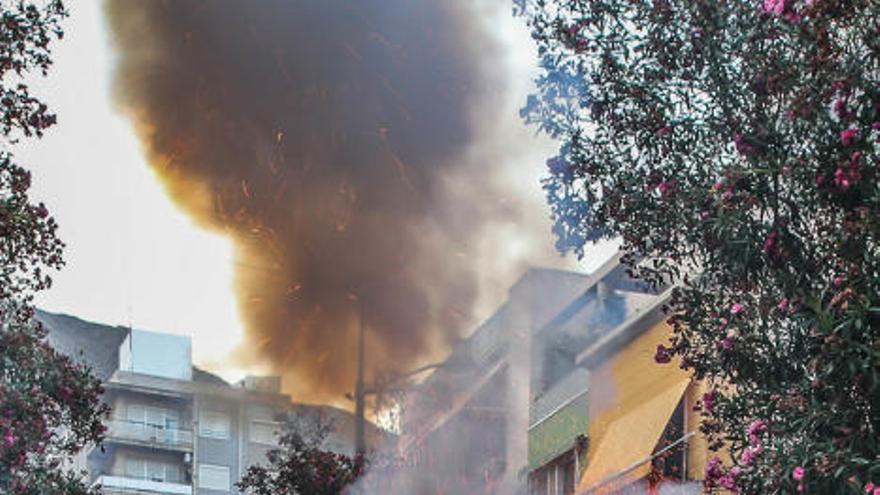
<point>173,429</point>
<point>463,429</point>
<point>557,394</point>
<point>604,417</point>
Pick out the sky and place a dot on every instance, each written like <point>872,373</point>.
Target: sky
<point>133,259</point>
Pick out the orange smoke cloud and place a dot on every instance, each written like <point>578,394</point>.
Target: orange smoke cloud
<point>321,136</point>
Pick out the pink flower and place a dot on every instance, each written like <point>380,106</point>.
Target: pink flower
<point>663,355</point>
<point>869,487</point>
<point>840,108</point>
<point>748,456</point>
<point>772,248</point>
<point>709,400</point>
<point>742,145</point>
<point>727,343</point>
<point>783,304</point>
<point>848,136</point>
<point>728,481</point>
<point>666,187</point>
<point>65,393</point>
<point>9,439</point>
<point>757,427</point>
<point>770,242</point>
<point>736,309</point>
<point>713,468</point>
<point>793,17</point>
<point>798,473</point>
<point>877,491</point>
<point>774,6</point>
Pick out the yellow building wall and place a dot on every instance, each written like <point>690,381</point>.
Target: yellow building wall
<point>632,383</point>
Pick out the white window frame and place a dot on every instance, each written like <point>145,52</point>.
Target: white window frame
<point>208,421</point>
<point>141,414</point>
<point>170,473</point>
<point>222,471</point>
<point>274,427</point>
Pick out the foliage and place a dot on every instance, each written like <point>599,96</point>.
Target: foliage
<point>49,408</point>
<point>299,466</point>
<point>733,146</point>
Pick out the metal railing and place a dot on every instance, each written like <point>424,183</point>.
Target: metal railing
<point>573,385</point>
<point>121,485</point>
<point>122,429</point>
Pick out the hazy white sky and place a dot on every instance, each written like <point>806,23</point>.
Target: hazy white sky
<point>132,257</point>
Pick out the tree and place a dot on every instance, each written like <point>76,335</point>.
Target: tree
<point>299,466</point>
<point>49,407</point>
<point>733,146</point>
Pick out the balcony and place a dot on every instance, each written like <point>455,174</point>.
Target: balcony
<point>558,418</point>
<point>119,485</point>
<point>560,393</point>
<point>123,431</point>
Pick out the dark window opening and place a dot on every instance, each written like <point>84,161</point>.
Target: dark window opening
<point>670,454</point>
<point>555,478</point>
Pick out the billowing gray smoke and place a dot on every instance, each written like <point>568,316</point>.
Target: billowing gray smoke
<point>324,137</point>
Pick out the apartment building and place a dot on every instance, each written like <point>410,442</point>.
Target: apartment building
<point>174,429</point>
<point>463,429</point>
<point>604,417</point>
<point>557,393</point>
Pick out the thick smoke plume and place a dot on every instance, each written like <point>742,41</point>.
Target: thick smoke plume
<point>327,138</point>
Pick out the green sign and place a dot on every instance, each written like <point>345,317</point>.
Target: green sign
<point>556,433</point>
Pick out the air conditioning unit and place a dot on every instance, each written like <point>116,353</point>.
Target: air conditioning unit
<point>187,458</point>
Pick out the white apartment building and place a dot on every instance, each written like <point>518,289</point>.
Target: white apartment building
<point>174,429</point>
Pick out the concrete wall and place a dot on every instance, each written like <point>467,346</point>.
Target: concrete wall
<point>157,354</point>
<point>217,451</point>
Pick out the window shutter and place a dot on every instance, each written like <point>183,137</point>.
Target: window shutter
<point>214,477</point>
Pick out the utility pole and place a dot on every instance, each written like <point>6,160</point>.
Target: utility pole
<point>361,390</point>
<point>360,443</point>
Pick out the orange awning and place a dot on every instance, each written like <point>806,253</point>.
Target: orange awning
<point>622,454</point>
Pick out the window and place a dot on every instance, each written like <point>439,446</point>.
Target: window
<point>557,478</point>
<point>214,425</point>
<point>568,477</point>
<point>264,432</point>
<point>152,470</point>
<point>213,477</point>
<point>671,452</point>
<point>156,417</point>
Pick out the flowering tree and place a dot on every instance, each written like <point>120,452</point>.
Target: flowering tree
<point>733,146</point>
<point>299,466</point>
<point>49,407</point>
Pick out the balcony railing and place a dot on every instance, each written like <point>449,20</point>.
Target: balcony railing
<point>120,485</point>
<point>560,393</point>
<point>120,429</point>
